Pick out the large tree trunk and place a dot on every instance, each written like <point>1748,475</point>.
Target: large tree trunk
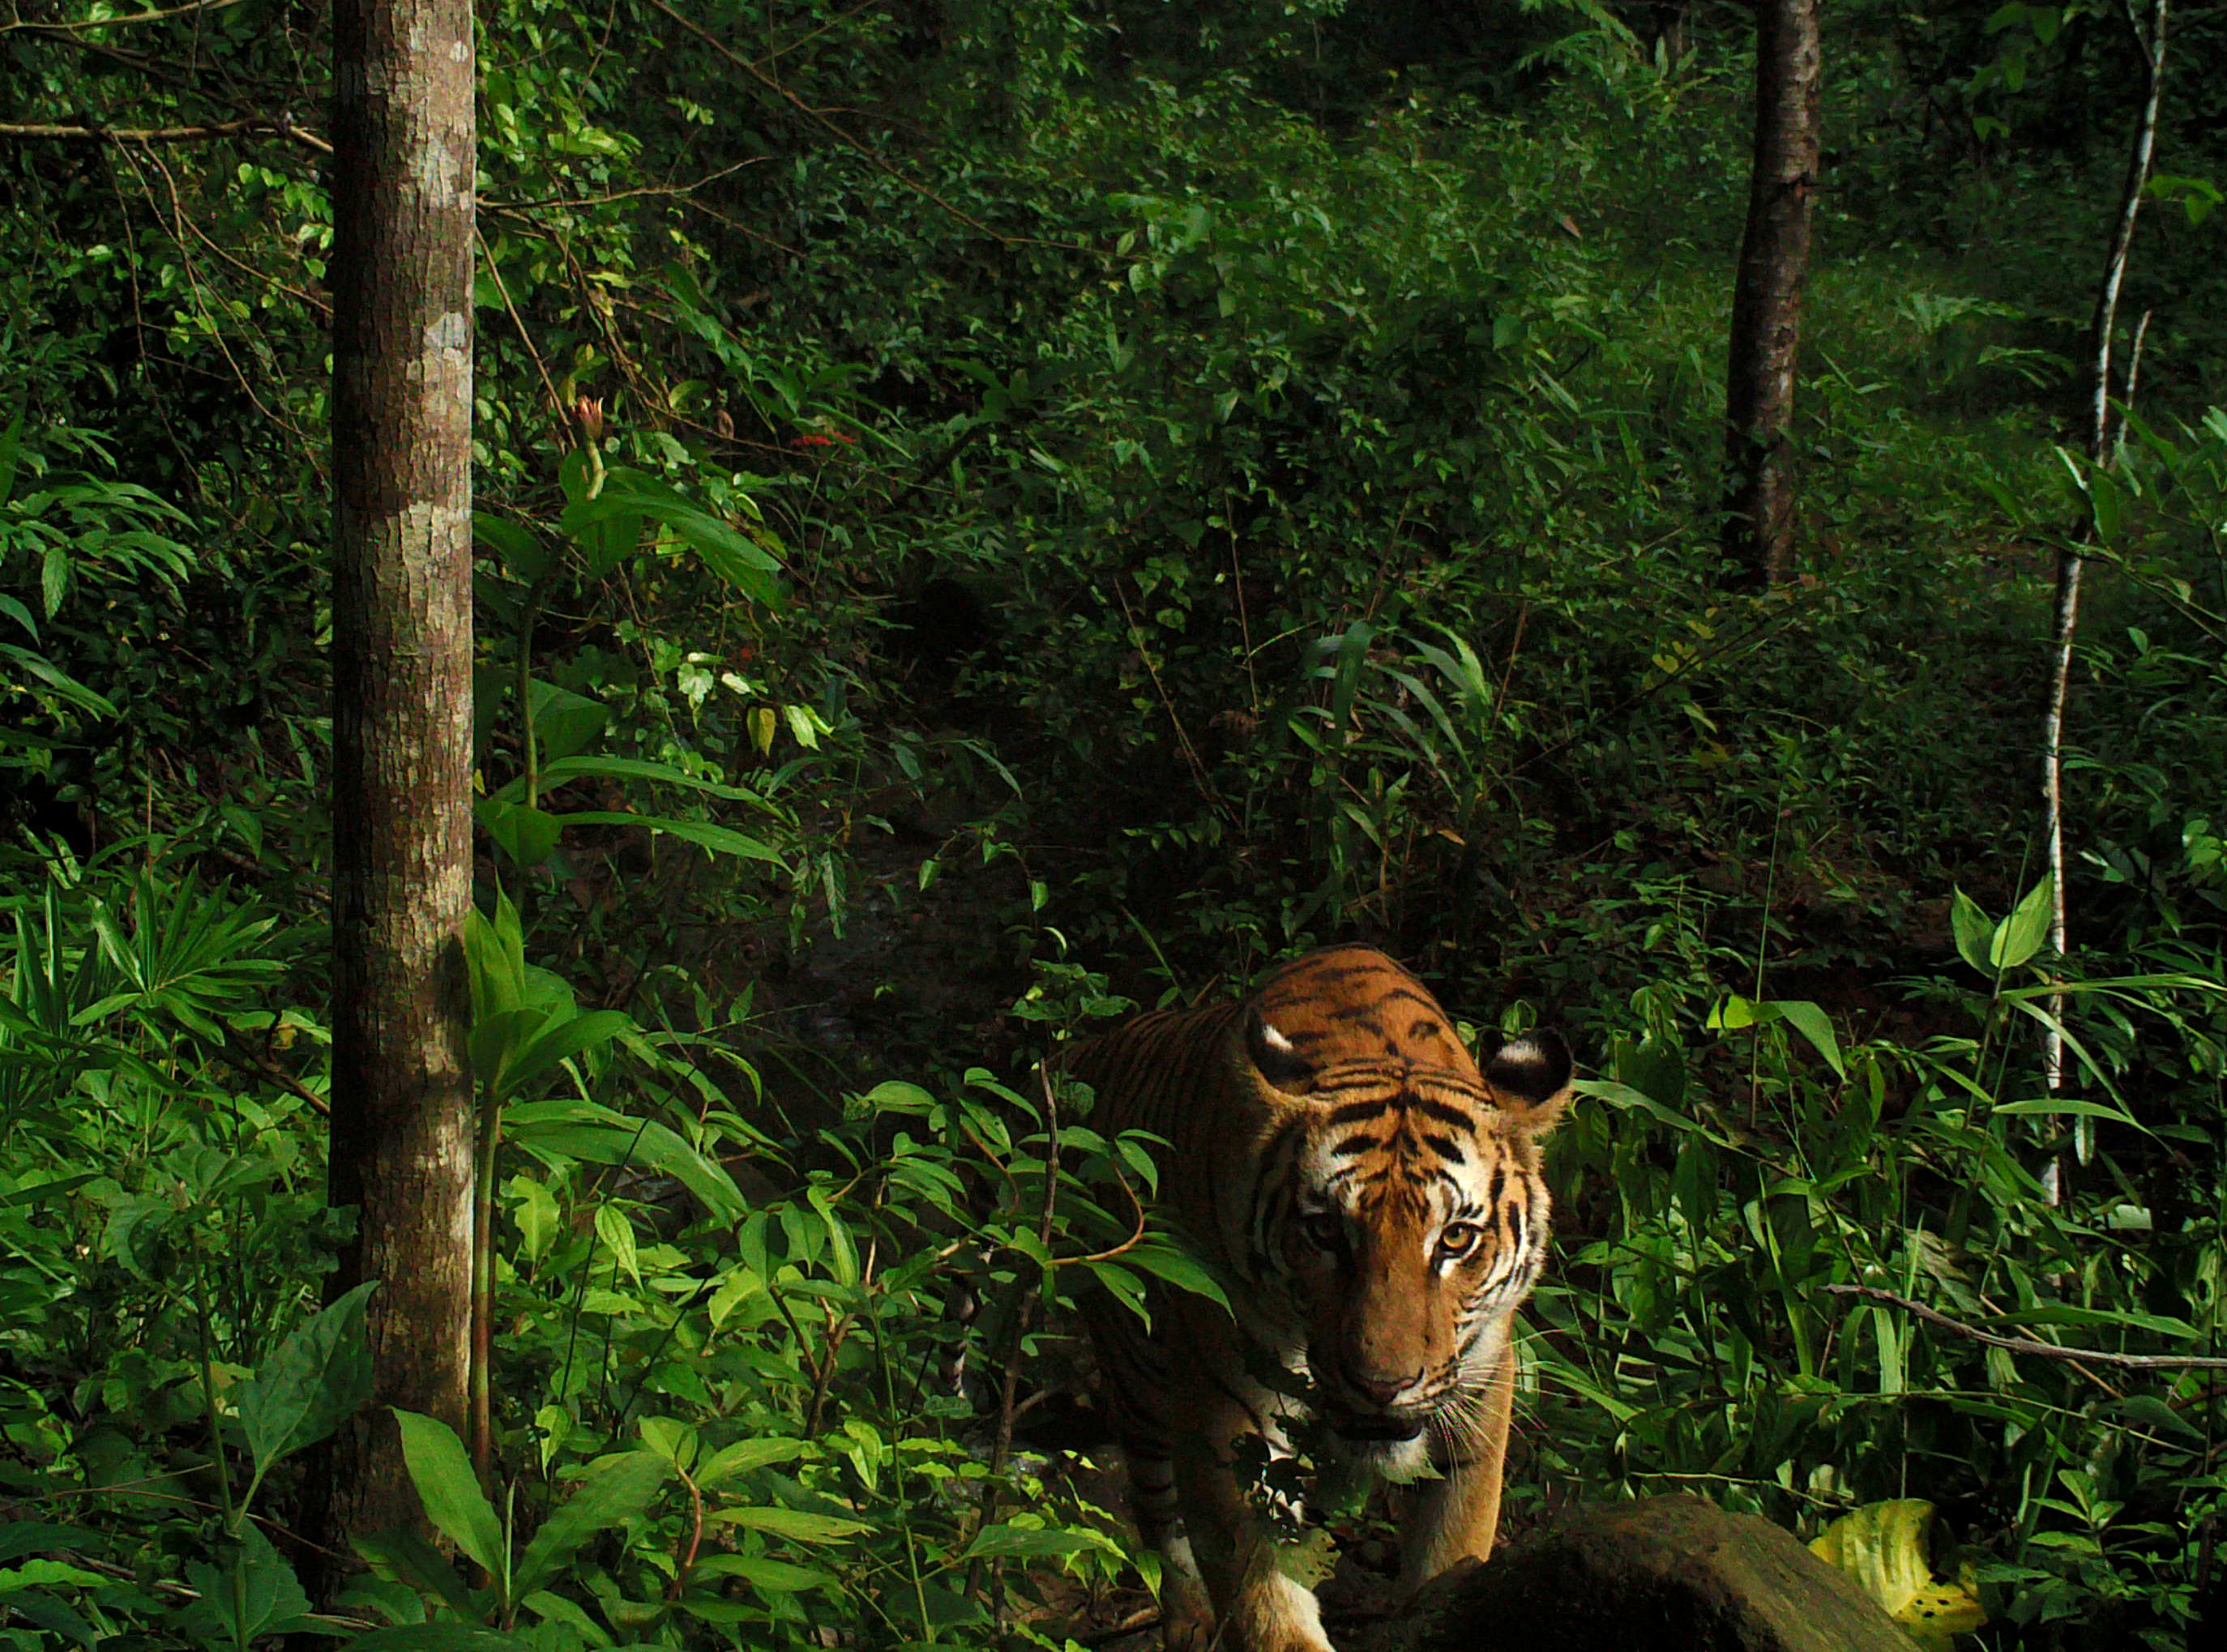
<point>1774,265</point>
<point>403,145</point>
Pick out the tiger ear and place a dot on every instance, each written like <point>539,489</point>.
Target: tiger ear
<point>1531,1076</point>
<point>1275,1056</point>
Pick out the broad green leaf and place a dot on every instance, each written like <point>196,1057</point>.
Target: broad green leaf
<point>739,1287</point>
<point>1973,930</point>
<point>534,1209</point>
<point>495,947</point>
<point>56,1573</point>
<point>1179,1267</point>
<point>1816,1026</point>
<point>2020,935</point>
<point>721,839</point>
<point>320,1375</point>
<point>669,1440</point>
<point>1030,1542</point>
<point>1623,1096</point>
<point>33,1536</point>
<point>494,1042</point>
<point>564,722</point>
<point>583,1130</point>
<point>597,767</point>
<point>521,552</point>
<point>527,835</point>
<point>797,1524</point>
<point>2070,1107</point>
<point>11,450</point>
<point>256,1594</point>
<point>552,1045</point>
<point>42,1610</point>
<point>1884,1547</point>
<point>61,682</point>
<point>552,1608</point>
<point>617,1490</point>
<point>772,1577</point>
<point>443,1635</point>
<point>617,1235</point>
<point>451,1492</point>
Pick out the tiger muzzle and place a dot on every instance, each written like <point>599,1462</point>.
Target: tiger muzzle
<point>1379,1418</point>
<point>1377,1429</point>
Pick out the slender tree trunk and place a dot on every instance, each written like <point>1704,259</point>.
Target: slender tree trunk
<point>403,165</point>
<point>1774,267</point>
<point>1667,27</point>
<point>2071,561</point>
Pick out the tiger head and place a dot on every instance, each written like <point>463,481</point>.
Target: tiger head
<point>1407,1215</point>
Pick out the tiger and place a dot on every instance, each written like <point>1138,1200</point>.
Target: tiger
<point>1372,1202</point>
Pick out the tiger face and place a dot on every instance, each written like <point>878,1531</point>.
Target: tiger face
<point>1414,1221</point>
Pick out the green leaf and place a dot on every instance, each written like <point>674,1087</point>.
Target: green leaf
<point>256,1594</point>
<point>553,1044</point>
<point>528,836</point>
<point>320,1375</point>
<point>564,722</point>
<point>617,1490</point>
<point>1973,930</point>
<point>1816,1026</point>
<point>451,1492</point>
<point>602,767</point>
<point>1805,1017</point>
<point>495,950</point>
<point>1179,1267</point>
<point>444,1635</point>
<point>33,1536</point>
<point>797,1524</point>
<point>743,1456</point>
<point>719,838</point>
<point>520,552</point>
<point>55,1617</point>
<point>65,685</point>
<point>598,1135</point>
<point>2068,1107</point>
<point>1032,1542</point>
<point>418,1564</point>
<point>1623,1096</point>
<point>768,1576</point>
<point>2020,935</point>
<point>11,450</point>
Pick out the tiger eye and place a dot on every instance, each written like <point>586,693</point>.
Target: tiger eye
<point>1457,1238</point>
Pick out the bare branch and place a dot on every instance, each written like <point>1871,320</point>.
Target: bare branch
<point>2029,1345</point>
<point>137,17</point>
<point>79,132</point>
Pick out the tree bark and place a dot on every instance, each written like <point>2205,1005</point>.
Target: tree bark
<point>1774,267</point>
<point>403,173</point>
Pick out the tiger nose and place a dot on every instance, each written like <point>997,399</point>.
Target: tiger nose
<point>1377,1388</point>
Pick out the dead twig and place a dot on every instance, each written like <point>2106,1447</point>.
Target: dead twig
<point>249,126</point>
<point>2029,1345</point>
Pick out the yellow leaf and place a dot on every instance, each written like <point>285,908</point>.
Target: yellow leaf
<point>761,729</point>
<point>1884,1545</point>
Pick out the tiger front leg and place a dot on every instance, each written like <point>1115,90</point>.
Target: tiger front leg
<point>1458,1517</point>
<point>1258,1605</point>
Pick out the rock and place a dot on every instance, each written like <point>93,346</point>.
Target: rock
<point>1673,1573</point>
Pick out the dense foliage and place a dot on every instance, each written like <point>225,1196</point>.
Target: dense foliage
<point>997,512</point>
